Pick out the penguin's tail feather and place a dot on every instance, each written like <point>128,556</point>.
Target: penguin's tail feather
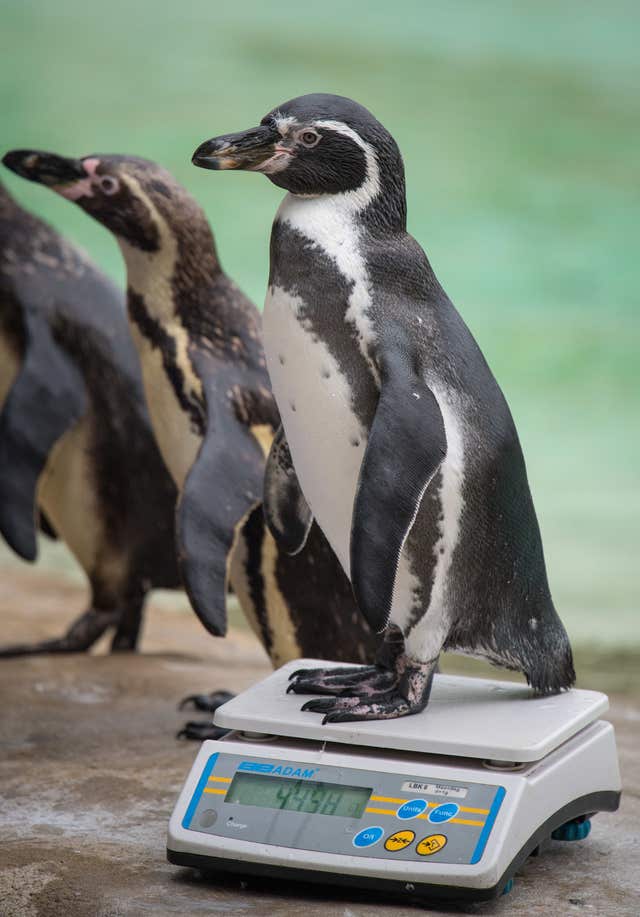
<point>544,655</point>
<point>550,674</point>
<point>535,644</point>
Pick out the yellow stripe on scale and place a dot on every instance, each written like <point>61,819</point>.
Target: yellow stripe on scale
<point>211,789</point>
<point>457,821</point>
<point>220,779</point>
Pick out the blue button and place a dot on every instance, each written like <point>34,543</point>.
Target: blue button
<point>412,809</point>
<point>368,836</point>
<point>444,812</point>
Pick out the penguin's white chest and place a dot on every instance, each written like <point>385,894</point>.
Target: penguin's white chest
<point>326,439</point>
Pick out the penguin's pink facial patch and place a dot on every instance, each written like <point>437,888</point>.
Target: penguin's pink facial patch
<point>84,186</point>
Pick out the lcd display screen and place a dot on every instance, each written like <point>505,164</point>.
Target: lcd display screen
<point>307,796</point>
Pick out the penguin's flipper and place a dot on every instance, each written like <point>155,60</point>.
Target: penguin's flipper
<point>47,397</point>
<point>222,487</point>
<point>285,508</point>
<point>407,443</point>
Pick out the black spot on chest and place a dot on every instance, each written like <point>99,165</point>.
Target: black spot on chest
<point>151,329</point>
<point>304,270</point>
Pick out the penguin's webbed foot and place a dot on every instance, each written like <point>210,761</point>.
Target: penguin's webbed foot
<point>206,703</point>
<point>199,731</point>
<point>387,706</point>
<point>80,637</point>
<point>391,695</point>
<point>363,680</point>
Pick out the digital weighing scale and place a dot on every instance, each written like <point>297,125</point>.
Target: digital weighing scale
<point>446,803</point>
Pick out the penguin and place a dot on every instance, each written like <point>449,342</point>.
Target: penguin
<point>77,454</point>
<point>402,445</point>
<point>203,367</point>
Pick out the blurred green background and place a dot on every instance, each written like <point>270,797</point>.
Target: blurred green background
<point>520,128</point>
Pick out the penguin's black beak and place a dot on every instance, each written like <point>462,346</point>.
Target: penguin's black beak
<point>248,150</point>
<point>46,168</point>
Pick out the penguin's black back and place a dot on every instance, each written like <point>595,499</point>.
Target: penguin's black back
<point>503,603</point>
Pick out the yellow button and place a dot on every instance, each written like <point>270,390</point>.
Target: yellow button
<point>399,840</point>
<point>431,844</point>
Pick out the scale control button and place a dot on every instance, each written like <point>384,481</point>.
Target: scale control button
<point>399,840</point>
<point>368,836</point>
<point>412,808</point>
<point>444,812</point>
<point>208,818</point>
<point>431,844</point>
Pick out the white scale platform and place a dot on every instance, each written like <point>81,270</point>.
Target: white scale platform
<point>466,717</point>
<point>456,797</point>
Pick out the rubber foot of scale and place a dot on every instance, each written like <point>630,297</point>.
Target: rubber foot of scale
<point>507,888</point>
<point>572,831</point>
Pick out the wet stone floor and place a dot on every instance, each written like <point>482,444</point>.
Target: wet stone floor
<point>90,770</point>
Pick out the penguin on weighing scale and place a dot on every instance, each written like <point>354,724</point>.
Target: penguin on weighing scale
<point>401,441</point>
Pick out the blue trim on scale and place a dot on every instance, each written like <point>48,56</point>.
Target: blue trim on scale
<point>488,825</point>
<point>195,799</point>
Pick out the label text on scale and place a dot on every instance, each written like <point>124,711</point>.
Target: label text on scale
<point>434,789</point>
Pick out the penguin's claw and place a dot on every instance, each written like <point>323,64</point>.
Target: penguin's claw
<point>318,705</point>
<point>199,731</point>
<point>206,703</point>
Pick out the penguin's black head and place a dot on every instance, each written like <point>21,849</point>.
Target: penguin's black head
<point>124,193</point>
<point>313,145</point>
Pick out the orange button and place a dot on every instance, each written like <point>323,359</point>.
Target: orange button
<point>431,844</point>
<point>399,840</point>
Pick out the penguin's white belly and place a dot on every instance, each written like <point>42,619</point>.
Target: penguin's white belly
<point>326,439</point>
<point>67,494</point>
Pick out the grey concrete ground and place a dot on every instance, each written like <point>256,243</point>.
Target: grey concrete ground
<point>90,769</point>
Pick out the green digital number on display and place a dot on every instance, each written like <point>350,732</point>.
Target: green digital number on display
<point>307,796</point>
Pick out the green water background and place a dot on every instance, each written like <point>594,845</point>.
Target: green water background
<point>520,128</point>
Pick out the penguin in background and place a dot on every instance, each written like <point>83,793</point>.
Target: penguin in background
<point>418,479</point>
<point>199,342</point>
<point>77,454</point>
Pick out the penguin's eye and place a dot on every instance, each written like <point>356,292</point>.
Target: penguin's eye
<point>109,184</point>
<point>309,138</point>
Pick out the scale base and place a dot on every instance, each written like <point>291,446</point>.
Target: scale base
<point>481,817</point>
<point>423,892</point>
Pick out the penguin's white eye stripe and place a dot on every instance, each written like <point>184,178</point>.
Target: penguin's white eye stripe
<point>371,186</point>
<point>284,124</point>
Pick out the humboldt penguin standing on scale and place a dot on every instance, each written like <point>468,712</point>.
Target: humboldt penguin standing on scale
<point>402,442</point>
